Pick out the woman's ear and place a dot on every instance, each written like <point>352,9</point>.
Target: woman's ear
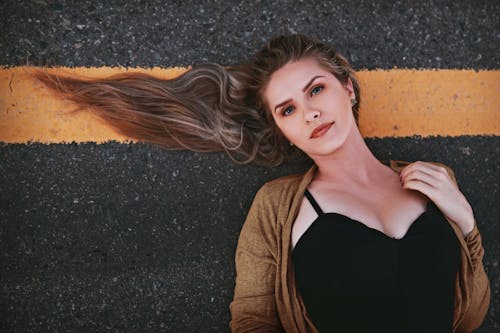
<point>349,87</point>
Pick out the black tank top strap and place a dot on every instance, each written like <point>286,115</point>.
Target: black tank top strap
<point>313,202</point>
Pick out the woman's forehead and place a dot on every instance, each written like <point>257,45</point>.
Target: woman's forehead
<point>292,77</point>
<point>301,67</point>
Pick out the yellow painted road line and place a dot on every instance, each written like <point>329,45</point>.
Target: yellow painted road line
<point>395,103</point>
<point>398,103</point>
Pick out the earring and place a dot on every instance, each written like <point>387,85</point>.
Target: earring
<point>291,144</point>
<point>354,101</point>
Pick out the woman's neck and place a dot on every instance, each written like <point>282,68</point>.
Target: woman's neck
<point>353,162</point>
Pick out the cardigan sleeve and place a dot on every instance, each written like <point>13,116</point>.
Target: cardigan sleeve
<point>253,308</point>
<point>475,281</point>
<point>478,285</point>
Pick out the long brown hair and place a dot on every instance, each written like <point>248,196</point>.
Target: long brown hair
<point>209,108</point>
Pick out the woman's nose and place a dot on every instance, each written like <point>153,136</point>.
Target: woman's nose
<point>311,115</point>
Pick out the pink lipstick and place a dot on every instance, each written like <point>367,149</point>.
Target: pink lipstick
<point>321,130</point>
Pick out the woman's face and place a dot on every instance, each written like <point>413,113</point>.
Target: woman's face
<point>311,107</point>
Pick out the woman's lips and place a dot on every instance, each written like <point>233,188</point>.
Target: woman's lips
<point>321,130</point>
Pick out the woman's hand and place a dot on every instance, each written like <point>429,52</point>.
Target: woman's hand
<point>434,182</point>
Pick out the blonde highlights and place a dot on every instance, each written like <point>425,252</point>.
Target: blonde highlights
<point>210,108</point>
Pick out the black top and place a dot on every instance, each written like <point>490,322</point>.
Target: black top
<point>354,278</point>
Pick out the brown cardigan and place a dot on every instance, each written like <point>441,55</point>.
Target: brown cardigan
<point>265,296</point>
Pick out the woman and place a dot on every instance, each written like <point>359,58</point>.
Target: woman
<point>352,244</point>
<point>413,263</point>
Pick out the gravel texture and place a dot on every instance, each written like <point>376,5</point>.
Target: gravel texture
<point>118,237</point>
<point>131,238</point>
<point>372,34</point>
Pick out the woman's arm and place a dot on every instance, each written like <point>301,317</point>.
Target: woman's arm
<point>477,282</point>
<point>438,183</point>
<point>253,308</point>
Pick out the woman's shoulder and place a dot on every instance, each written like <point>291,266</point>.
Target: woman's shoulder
<point>281,189</point>
<point>292,182</point>
<point>284,182</point>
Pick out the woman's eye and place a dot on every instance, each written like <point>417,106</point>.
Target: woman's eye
<point>288,111</point>
<point>316,90</point>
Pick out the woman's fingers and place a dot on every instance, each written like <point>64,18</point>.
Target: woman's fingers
<point>435,182</point>
<point>419,175</point>
<point>431,174</point>
<point>427,168</point>
<point>423,187</point>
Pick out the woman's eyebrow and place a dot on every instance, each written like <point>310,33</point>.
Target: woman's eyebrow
<point>310,82</point>
<point>303,89</point>
<point>281,104</point>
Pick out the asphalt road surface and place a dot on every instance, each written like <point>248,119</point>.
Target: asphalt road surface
<point>132,238</point>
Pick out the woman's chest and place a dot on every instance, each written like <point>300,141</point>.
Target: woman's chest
<point>390,212</point>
